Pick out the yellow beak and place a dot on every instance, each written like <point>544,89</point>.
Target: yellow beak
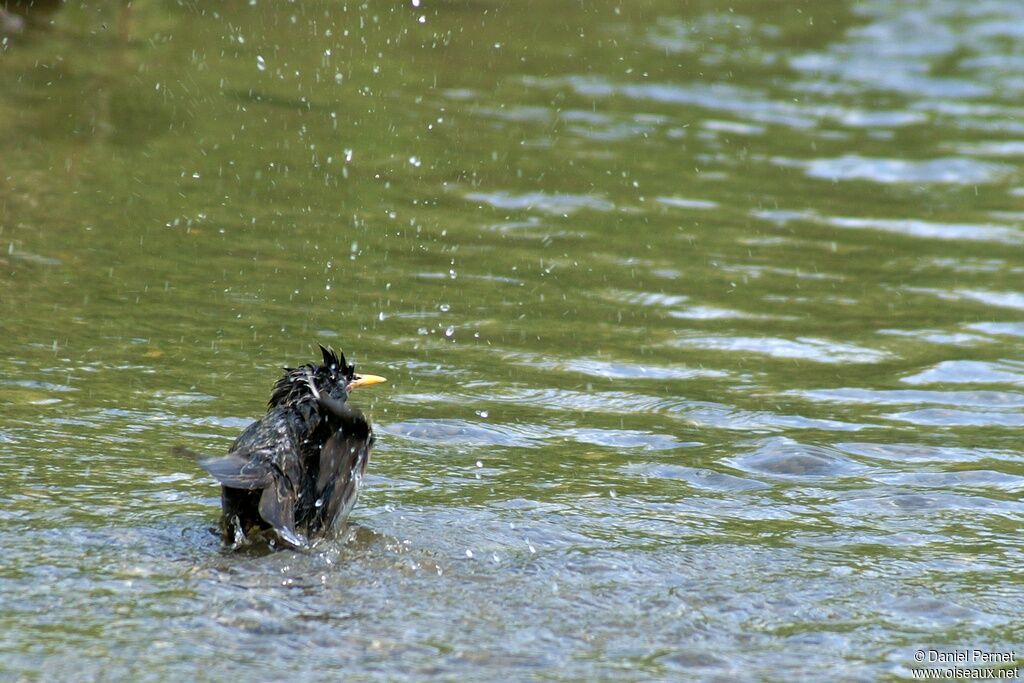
<point>364,381</point>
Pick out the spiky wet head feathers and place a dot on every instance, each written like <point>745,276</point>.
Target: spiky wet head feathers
<point>333,376</point>
<point>335,365</point>
<point>331,361</point>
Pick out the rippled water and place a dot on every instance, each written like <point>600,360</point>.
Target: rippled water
<point>703,329</point>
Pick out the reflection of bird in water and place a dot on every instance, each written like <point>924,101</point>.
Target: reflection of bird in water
<point>295,473</point>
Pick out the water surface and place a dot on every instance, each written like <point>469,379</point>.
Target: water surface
<point>702,328</point>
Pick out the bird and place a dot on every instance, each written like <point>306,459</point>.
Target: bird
<point>294,474</point>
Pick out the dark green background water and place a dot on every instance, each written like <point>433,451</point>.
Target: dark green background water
<point>702,323</point>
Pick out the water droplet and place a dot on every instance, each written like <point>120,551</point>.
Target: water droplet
<point>381,317</point>
<point>452,274</point>
<point>261,64</point>
<point>479,463</point>
<point>415,3</point>
<point>469,553</point>
<point>445,308</point>
<point>423,19</point>
<point>415,161</point>
<point>450,331</point>
<point>483,413</point>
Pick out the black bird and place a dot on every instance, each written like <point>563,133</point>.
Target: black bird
<point>295,473</point>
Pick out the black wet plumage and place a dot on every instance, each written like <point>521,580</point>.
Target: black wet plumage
<point>295,474</point>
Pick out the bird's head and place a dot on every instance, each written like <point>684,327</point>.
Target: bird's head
<point>338,378</point>
<point>334,377</point>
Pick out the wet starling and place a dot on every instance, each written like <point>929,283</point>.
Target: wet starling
<point>295,474</point>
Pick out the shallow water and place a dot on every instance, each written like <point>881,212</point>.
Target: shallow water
<point>702,328</point>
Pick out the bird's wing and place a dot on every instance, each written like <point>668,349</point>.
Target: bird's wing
<point>256,460</point>
<point>277,508</point>
<point>352,434</point>
<point>342,462</point>
<point>236,470</point>
<point>255,470</point>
